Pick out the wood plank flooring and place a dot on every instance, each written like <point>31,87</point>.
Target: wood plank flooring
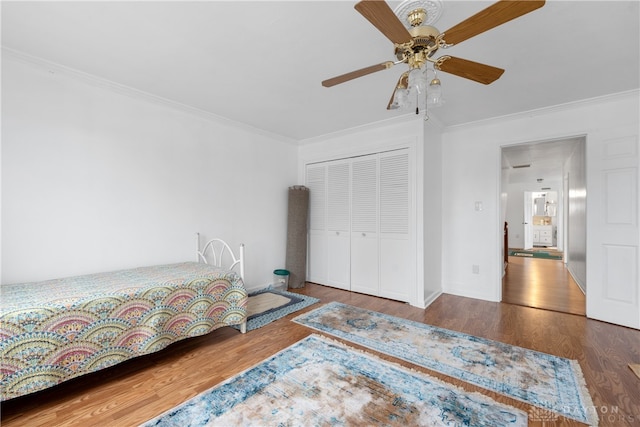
<point>542,283</point>
<point>135,391</point>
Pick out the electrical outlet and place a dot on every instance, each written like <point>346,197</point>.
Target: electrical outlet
<point>475,269</point>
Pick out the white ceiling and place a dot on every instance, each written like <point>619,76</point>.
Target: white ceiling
<point>539,165</point>
<point>261,62</point>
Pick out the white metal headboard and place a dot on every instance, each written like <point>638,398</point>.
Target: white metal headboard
<point>217,248</point>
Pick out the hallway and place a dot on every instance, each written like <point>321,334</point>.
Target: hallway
<point>542,283</point>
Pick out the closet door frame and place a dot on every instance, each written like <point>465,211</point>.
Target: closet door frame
<point>377,139</point>
<point>397,248</point>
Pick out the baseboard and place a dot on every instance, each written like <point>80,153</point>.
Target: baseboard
<point>430,298</point>
<point>256,289</point>
<point>464,292</point>
<point>575,279</point>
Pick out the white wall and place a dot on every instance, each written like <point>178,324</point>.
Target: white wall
<point>432,218</point>
<point>95,178</point>
<point>471,172</point>
<point>576,256</point>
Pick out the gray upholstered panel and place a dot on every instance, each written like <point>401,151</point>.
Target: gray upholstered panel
<point>298,213</point>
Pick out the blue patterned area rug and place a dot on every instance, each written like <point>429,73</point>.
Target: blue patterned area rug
<point>318,381</point>
<point>268,305</point>
<point>548,382</point>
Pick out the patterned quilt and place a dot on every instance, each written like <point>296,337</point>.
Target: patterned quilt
<point>59,329</point>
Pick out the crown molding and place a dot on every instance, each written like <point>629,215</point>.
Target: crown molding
<point>612,97</point>
<point>112,86</point>
<point>121,89</point>
<point>397,120</point>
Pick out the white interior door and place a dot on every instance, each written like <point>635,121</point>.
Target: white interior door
<point>527,220</point>
<point>396,266</point>
<point>613,247</point>
<point>316,181</point>
<point>338,224</point>
<point>364,226</point>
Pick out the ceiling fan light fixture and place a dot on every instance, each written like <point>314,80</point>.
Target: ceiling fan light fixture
<point>417,81</point>
<point>417,90</point>
<point>434,92</point>
<point>400,99</point>
<point>434,95</point>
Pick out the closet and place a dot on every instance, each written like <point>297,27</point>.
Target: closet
<point>360,226</point>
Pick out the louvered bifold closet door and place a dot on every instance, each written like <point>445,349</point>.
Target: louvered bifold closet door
<point>338,224</point>
<point>396,265</point>
<point>364,225</point>
<point>316,181</point>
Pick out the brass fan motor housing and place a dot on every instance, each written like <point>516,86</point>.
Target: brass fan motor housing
<point>424,44</point>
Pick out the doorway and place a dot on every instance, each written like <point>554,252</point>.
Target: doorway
<point>541,275</point>
<point>542,283</point>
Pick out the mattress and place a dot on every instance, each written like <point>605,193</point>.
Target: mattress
<point>55,330</point>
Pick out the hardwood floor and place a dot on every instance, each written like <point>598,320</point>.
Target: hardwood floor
<point>140,389</point>
<point>542,283</point>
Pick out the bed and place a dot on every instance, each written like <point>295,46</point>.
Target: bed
<point>55,330</point>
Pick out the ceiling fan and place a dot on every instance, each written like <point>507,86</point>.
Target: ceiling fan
<point>416,45</point>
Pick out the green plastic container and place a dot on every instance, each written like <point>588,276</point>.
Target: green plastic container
<point>281,279</point>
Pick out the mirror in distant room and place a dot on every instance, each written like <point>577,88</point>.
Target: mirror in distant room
<point>539,205</point>
<point>551,209</point>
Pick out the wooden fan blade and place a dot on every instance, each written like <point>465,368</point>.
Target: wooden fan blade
<point>475,71</point>
<point>496,14</point>
<point>382,17</point>
<point>358,73</point>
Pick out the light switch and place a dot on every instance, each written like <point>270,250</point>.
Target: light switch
<point>478,206</point>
